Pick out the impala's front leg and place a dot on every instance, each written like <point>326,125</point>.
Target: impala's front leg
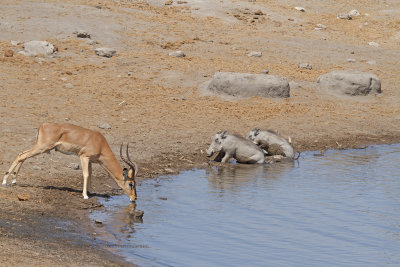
<point>86,168</point>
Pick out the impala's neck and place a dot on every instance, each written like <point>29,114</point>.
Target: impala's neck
<point>110,163</point>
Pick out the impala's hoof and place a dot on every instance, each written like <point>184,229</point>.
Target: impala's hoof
<point>4,184</point>
<point>14,181</point>
<point>85,197</point>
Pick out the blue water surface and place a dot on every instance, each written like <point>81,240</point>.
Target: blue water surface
<point>340,209</point>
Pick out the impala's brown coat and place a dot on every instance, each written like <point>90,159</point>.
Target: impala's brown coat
<point>91,146</point>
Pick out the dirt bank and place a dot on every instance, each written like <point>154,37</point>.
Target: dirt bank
<point>152,100</point>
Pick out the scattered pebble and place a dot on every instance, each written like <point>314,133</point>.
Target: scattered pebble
<point>351,60</point>
<point>36,168</point>
<point>305,66</point>
<point>258,13</point>
<point>299,8</point>
<point>34,48</point>
<point>266,71</point>
<point>371,62</point>
<point>23,197</point>
<point>63,79</point>
<point>354,13</point>
<point>73,166</point>
<point>344,16</point>
<point>254,54</point>
<point>91,42</point>
<point>69,86</point>
<point>98,222</point>
<point>136,213</point>
<point>105,52</point>
<point>177,54</point>
<point>373,44</point>
<point>104,125</point>
<point>82,34</point>
<point>15,43</point>
<point>9,53</point>
<point>320,27</point>
<point>169,2</point>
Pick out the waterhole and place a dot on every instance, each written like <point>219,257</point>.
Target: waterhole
<point>339,209</point>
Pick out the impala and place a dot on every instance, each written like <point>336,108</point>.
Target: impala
<point>90,146</point>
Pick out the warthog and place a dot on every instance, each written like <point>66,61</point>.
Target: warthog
<point>234,146</point>
<point>272,142</point>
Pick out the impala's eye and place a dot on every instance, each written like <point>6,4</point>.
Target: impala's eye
<point>131,186</point>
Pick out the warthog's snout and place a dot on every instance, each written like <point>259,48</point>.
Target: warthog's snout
<point>209,152</point>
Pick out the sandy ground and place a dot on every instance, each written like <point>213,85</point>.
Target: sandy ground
<point>152,100</point>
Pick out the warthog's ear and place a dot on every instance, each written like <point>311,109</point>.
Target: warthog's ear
<point>256,131</point>
<point>223,134</point>
<point>125,171</point>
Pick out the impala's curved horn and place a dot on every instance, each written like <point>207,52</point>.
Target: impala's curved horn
<point>131,163</point>
<point>122,157</point>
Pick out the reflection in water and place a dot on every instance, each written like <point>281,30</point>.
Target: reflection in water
<point>342,209</point>
<point>231,176</point>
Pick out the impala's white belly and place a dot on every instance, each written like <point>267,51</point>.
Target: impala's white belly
<point>69,149</point>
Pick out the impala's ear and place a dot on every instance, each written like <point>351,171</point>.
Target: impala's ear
<point>125,171</point>
<point>131,174</point>
<point>256,131</point>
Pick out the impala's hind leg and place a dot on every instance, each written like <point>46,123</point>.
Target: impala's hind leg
<point>16,165</point>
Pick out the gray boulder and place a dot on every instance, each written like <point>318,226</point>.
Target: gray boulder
<point>105,52</point>
<point>248,85</point>
<point>34,48</point>
<point>350,82</point>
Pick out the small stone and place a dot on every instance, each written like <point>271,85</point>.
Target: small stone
<point>266,71</point>
<point>258,13</point>
<point>299,8</point>
<point>254,54</point>
<point>163,198</point>
<point>373,44</point>
<point>69,86</point>
<point>15,43</point>
<point>34,48</point>
<point>320,27</point>
<point>23,197</point>
<point>36,168</point>
<point>9,53</point>
<point>63,79</point>
<point>177,54</point>
<point>354,13</point>
<point>91,42</point>
<point>104,125</point>
<point>169,170</point>
<point>73,166</point>
<point>181,2</point>
<point>344,16</point>
<point>136,213</point>
<point>98,222</point>
<point>305,66</point>
<point>169,2</point>
<point>82,34</point>
<point>105,52</point>
<point>68,72</point>
<point>351,60</point>
<point>371,62</point>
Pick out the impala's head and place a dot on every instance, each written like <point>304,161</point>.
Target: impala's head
<point>129,184</point>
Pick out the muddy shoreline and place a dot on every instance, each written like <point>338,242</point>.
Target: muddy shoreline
<point>152,100</point>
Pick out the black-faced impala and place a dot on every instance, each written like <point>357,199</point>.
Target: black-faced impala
<point>90,146</point>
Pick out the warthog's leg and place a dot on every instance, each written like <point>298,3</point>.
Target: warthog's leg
<point>220,156</point>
